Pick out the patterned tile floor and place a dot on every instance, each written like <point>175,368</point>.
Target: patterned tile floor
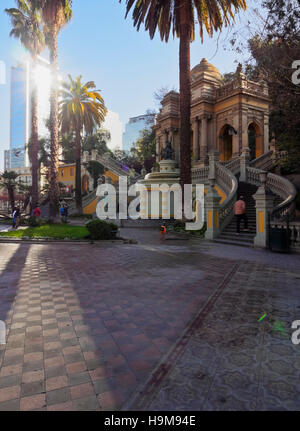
<point>168,325</point>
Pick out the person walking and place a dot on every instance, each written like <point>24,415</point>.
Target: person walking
<point>17,217</point>
<point>240,214</point>
<point>163,231</point>
<point>62,213</point>
<point>14,218</point>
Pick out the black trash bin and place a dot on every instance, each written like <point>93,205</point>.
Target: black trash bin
<point>280,239</point>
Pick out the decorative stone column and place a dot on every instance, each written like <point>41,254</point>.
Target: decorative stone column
<point>264,205</point>
<point>157,149</point>
<point>214,157</point>
<point>244,163</point>
<point>212,208</point>
<point>196,139</point>
<point>203,144</point>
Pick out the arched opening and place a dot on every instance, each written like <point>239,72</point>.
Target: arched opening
<point>255,141</point>
<point>225,143</point>
<point>85,184</point>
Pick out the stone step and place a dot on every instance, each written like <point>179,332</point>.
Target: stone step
<point>243,236</point>
<point>234,242</point>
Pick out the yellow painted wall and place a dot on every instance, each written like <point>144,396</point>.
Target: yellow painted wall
<point>220,193</point>
<point>90,208</point>
<point>69,174</point>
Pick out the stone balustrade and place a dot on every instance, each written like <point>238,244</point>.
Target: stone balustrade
<point>233,165</point>
<point>294,228</point>
<point>200,175</point>
<point>265,161</point>
<point>228,182</point>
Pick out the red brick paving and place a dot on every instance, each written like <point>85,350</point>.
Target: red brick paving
<point>87,324</point>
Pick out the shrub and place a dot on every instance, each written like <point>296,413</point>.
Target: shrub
<point>100,229</point>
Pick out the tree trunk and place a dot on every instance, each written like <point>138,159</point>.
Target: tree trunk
<point>11,195</point>
<point>34,142</point>
<point>78,196</point>
<point>185,94</point>
<point>54,126</point>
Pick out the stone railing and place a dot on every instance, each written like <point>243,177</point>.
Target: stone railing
<point>280,186</point>
<point>228,182</point>
<point>242,85</point>
<point>200,175</point>
<point>234,165</point>
<point>86,200</point>
<point>105,160</point>
<point>265,161</point>
<point>294,229</point>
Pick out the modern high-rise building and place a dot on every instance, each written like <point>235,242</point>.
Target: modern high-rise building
<point>18,116</point>
<point>20,110</point>
<point>114,125</point>
<point>6,160</point>
<point>134,127</point>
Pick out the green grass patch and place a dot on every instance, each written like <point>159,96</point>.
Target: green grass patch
<point>54,231</point>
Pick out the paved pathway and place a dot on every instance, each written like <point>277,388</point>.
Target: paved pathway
<point>91,326</point>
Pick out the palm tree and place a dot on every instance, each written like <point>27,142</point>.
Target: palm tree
<point>181,15</point>
<point>56,14</point>
<point>8,182</point>
<point>81,108</point>
<point>26,26</point>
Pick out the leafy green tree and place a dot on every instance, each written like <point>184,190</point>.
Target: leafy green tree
<point>144,149</point>
<point>273,53</point>
<point>95,169</point>
<point>8,181</point>
<point>56,14</point>
<point>97,141</point>
<point>81,108</point>
<point>44,148</point>
<point>181,16</point>
<point>26,26</point>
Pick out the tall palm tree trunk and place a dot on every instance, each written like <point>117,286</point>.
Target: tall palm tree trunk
<point>54,124</point>
<point>78,196</point>
<point>185,95</point>
<point>35,143</point>
<point>11,196</point>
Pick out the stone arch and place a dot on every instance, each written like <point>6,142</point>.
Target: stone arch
<point>255,140</point>
<point>225,142</point>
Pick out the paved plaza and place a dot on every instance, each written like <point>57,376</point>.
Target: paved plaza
<point>149,326</point>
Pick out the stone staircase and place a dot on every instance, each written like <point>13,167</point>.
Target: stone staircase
<point>229,236</point>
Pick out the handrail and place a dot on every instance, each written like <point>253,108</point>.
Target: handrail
<point>226,179</point>
<point>278,185</point>
<point>234,165</point>
<point>263,162</point>
<point>200,175</point>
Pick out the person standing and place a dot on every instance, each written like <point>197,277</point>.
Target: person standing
<point>37,212</point>
<point>240,214</point>
<point>163,231</point>
<point>17,217</point>
<point>66,208</point>
<point>62,213</point>
<point>14,218</point>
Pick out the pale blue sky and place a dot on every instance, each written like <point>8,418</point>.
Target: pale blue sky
<point>104,47</point>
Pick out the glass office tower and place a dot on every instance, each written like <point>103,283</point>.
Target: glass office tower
<point>19,120</point>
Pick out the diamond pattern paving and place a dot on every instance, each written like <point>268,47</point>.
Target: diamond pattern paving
<point>88,325</point>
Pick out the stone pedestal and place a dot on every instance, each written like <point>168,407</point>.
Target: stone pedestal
<point>212,207</point>
<point>214,157</point>
<point>167,166</point>
<point>264,206</point>
<point>244,163</point>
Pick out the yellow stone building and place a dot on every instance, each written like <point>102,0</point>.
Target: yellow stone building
<point>226,116</point>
